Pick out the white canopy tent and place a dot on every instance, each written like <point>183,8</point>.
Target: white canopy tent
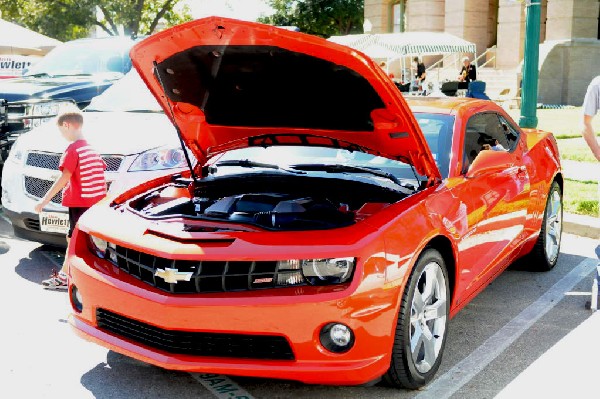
<point>393,46</point>
<point>406,43</point>
<point>17,40</point>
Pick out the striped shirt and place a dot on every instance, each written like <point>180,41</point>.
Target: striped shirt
<point>87,184</point>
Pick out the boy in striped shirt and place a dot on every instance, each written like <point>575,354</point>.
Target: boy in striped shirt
<point>82,181</point>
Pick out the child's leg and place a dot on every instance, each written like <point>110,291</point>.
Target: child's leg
<point>65,267</point>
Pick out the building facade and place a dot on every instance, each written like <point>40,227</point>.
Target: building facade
<point>569,34</point>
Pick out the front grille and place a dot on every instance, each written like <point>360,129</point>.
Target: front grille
<point>205,276</point>
<point>48,160</point>
<point>43,160</point>
<point>113,163</point>
<point>32,224</point>
<point>39,187</point>
<point>196,343</point>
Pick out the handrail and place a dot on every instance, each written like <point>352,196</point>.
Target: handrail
<point>434,65</point>
<point>483,55</point>
<point>488,61</point>
<point>455,59</point>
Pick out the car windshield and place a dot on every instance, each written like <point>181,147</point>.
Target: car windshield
<point>110,56</point>
<point>128,94</point>
<point>436,128</point>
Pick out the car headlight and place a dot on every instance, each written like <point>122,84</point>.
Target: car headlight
<point>103,248</point>
<point>44,111</point>
<point>314,271</point>
<point>160,159</point>
<point>17,152</point>
<point>98,245</point>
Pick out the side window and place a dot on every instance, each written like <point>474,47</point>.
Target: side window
<point>482,131</point>
<point>511,132</point>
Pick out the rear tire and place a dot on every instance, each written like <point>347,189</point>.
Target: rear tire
<point>422,324</point>
<point>545,253</point>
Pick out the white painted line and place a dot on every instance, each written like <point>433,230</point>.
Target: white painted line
<point>221,386</point>
<point>451,381</point>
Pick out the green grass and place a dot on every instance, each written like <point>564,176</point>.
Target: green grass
<point>581,197</point>
<point>575,150</point>
<point>565,123</point>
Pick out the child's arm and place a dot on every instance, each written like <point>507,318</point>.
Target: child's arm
<point>56,187</point>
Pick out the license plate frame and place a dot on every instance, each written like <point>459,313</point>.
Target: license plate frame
<point>54,222</point>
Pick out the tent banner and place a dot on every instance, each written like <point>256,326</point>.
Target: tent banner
<point>13,65</point>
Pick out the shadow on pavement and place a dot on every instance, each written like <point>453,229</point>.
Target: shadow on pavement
<point>37,266</point>
<point>127,378</point>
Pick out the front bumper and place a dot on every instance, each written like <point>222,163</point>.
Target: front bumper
<point>297,314</point>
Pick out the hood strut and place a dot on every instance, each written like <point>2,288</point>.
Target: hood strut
<point>183,147</point>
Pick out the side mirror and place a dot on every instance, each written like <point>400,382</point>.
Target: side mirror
<point>489,161</point>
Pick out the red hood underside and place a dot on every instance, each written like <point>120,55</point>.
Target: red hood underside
<point>230,84</point>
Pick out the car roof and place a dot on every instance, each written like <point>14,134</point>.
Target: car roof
<point>445,105</point>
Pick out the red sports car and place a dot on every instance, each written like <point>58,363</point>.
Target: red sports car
<point>329,229</point>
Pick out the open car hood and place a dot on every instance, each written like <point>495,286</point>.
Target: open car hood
<point>230,84</point>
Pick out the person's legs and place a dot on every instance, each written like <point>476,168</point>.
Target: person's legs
<point>59,280</point>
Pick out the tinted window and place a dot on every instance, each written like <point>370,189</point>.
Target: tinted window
<point>485,129</point>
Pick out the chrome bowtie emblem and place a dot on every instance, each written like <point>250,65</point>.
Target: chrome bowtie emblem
<point>173,275</point>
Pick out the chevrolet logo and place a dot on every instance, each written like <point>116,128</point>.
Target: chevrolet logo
<point>173,275</point>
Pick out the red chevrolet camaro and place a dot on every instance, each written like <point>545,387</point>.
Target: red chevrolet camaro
<point>328,228</point>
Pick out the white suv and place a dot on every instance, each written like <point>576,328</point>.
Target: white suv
<point>124,124</point>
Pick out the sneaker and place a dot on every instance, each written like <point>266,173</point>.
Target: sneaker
<point>57,281</point>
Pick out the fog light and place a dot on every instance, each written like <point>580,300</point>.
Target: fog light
<point>337,338</point>
<point>76,299</point>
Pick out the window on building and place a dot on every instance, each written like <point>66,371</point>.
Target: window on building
<point>398,18</point>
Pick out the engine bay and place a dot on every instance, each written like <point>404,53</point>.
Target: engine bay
<point>272,203</point>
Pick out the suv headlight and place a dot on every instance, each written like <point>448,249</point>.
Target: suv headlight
<point>17,152</point>
<point>43,111</point>
<point>159,159</point>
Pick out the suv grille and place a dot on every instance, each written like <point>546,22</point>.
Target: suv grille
<point>205,276</point>
<point>39,187</point>
<point>196,343</point>
<point>48,160</point>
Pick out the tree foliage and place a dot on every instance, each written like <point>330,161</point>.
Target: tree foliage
<point>71,19</point>
<point>318,17</point>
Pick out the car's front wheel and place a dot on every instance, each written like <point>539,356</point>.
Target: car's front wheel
<point>546,250</point>
<point>422,323</point>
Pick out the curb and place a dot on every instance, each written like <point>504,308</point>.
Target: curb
<point>585,226</point>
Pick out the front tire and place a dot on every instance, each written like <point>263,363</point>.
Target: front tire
<point>422,324</point>
<point>546,250</point>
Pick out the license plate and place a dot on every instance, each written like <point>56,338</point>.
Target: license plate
<point>54,222</point>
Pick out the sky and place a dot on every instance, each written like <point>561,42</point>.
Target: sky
<point>248,10</point>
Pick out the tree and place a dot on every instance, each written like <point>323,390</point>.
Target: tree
<point>71,19</point>
<point>318,17</point>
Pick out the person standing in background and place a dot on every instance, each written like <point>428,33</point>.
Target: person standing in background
<point>591,105</point>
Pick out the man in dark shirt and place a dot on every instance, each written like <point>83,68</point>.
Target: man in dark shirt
<point>420,75</point>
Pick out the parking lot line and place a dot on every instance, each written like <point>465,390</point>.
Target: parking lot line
<point>451,381</point>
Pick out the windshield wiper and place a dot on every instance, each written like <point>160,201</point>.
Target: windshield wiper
<point>246,163</point>
<point>335,168</point>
